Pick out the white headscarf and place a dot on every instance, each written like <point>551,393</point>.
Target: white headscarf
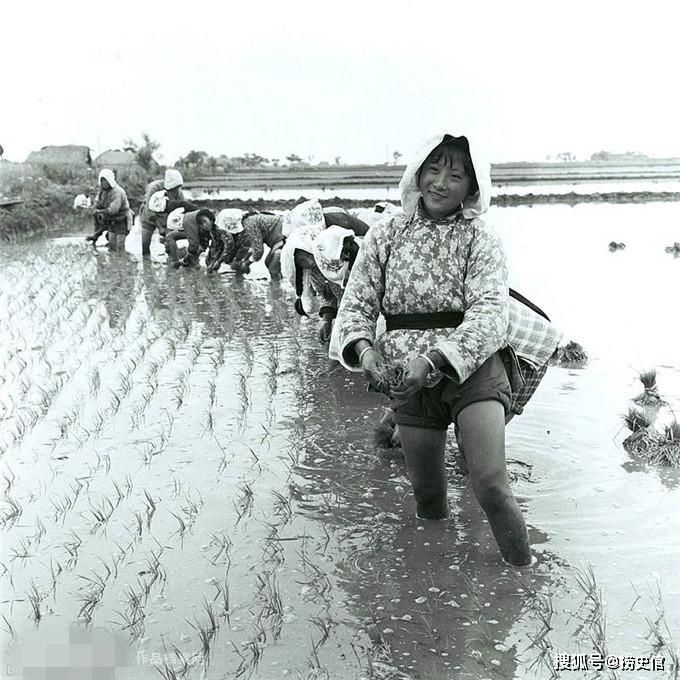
<point>82,201</point>
<point>301,239</point>
<point>158,201</point>
<point>230,219</point>
<point>176,219</point>
<point>173,178</point>
<point>309,212</point>
<point>473,206</point>
<point>108,175</point>
<point>327,249</point>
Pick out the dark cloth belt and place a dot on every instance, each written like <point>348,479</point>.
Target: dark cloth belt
<point>446,319</point>
<point>424,321</point>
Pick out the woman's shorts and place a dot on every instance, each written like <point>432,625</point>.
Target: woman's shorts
<point>435,408</point>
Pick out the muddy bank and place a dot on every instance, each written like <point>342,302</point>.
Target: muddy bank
<point>504,200</point>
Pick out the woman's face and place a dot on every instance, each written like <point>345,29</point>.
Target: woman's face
<point>444,185</point>
<point>104,184</point>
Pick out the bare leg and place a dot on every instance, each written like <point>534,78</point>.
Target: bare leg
<point>171,245</point>
<point>424,455</point>
<point>147,233</point>
<point>482,432</point>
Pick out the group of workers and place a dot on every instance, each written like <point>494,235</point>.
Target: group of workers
<point>311,247</point>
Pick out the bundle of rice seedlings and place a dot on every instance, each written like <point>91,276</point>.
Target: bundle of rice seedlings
<point>389,378</point>
<point>637,419</point>
<point>572,354</point>
<point>650,395</point>
<point>643,443</point>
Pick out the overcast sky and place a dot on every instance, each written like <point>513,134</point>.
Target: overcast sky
<point>355,79</point>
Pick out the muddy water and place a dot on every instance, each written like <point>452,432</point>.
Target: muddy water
<point>176,447</point>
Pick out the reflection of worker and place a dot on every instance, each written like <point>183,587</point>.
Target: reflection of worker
<point>111,211</point>
<point>153,217</point>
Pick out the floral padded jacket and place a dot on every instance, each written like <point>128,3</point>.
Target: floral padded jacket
<point>426,265</point>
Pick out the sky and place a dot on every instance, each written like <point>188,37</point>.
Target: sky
<point>354,79</point>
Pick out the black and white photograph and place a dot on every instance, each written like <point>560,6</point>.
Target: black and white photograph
<point>340,341</point>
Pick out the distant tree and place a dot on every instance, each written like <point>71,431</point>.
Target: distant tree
<point>144,152</point>
<point>294,158</point>
<point>2,151</point>
<point>275,162</point>
<point>396,155</point>
<point>337,160</point>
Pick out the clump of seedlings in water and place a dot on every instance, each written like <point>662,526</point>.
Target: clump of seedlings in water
<point>649,397</point>
<point>646,442</point>
<point>571,355</point>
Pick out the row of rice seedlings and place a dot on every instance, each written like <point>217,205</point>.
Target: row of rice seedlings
<point>206,631</point>
<point>187,516</point>
<point>318,584</point>
<point>217,356</point>
<point>282,508</point>
<point>101,513</point>
<point>179,388</point>
<point>244,503</point>
<point>661,637</point>
<point>134,614</point>
<point>153,447</point>
<point>272,551</point>
<point>181,666</point>
<point>71,548</point>
<point>542,608</point>
<point>225,456</point>
<point>595,619</point>
<point>61,505</point>
<point>248,354</point>
<point>10,511</point>
<point>35,598</point>
<point>222,545</point>
<point>207,423</point>
<point>90,595</point>
<point>244,402</point>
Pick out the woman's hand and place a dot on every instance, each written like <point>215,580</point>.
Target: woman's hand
<point>374,369</point>
<point>414,380</point>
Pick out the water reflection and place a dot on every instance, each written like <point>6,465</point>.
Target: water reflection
<point>433,597</point>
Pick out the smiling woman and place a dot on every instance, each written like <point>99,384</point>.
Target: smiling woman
<point>447,177</point>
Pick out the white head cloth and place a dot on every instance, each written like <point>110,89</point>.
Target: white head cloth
<point>473,206</point>
<point>327,249</point>
<point>229,219</point>
<point>82,201</point>
<point>176,219</point>
<point>108,175</point>
<point>173,178</point>
<point>158,201</point>
<point>309,212</point>
<point>301,239</point>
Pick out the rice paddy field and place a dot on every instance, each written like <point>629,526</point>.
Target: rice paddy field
<point>189,488</point>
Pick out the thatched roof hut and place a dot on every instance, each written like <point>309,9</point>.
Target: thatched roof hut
<point>69,154</point>
<point>116,159</point>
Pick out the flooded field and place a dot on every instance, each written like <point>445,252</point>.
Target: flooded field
<point>391,193</point>
<point>189,487</point>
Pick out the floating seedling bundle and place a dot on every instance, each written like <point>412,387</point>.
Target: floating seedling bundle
<point>650,440</point>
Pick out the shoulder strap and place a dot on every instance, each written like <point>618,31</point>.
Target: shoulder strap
<point>520,298</point>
